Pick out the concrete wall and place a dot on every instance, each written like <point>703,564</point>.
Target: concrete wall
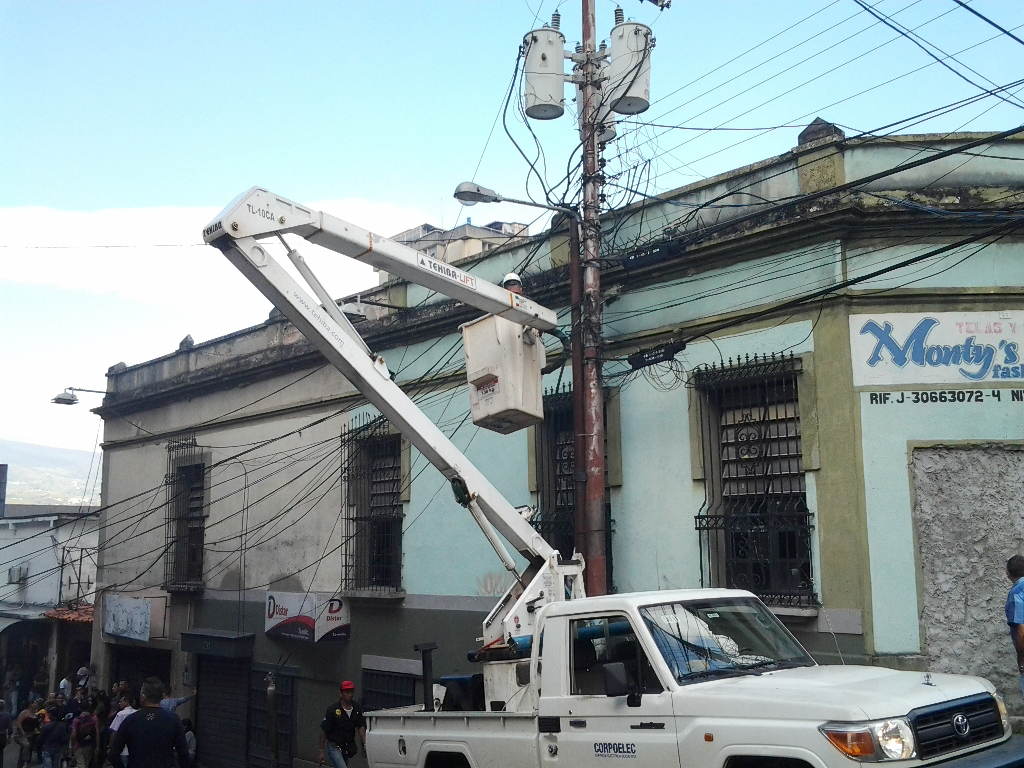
<point>969,521</point>
<point>36,543</point>
<point>886,431</point>
<point>655,545</point>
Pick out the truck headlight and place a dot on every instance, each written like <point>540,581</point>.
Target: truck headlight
<point>891,739</point>
<point>896,738</point>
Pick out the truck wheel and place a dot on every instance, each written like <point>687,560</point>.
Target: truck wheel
<point>446,760</point>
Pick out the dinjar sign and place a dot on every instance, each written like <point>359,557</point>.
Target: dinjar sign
<point>937,348</point>
<point>306,616</point>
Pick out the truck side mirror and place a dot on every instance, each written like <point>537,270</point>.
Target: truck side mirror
<point>615,681</point>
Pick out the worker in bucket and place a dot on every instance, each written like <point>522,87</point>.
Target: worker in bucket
<point>512,283</point>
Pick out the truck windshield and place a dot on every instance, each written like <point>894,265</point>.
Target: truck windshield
<point>721,637</point>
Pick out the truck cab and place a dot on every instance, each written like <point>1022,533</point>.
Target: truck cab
<point>712,677</point>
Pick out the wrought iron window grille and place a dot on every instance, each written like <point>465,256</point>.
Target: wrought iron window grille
<point>556,476</point>
<point>372,470</point>
<point>556,467</point>
<point>755,529</point>
<point>185,485</point>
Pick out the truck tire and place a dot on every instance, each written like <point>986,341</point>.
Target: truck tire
<point>446,760</point>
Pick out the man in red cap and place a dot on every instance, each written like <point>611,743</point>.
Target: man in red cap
<point>342,723</point>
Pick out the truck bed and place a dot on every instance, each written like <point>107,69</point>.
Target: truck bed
<point>405,736</point>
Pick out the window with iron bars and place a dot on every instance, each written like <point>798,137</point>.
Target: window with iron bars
<point>554,470</point>
<point>755,525</point>
<point>372,553</point>
<point>186,516</point>
<point>556,467</point>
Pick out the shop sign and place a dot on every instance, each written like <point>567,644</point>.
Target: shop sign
<point>126,617</point>
<point>310,616</point>
<point>937,348</point>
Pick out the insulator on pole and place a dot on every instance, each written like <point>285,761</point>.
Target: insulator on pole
<point>629,71</point>
<point>620,16</point>
<point>556,20</point>
<point>544,73</point>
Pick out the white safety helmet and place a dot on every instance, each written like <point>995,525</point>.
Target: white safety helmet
<point>511,277</point>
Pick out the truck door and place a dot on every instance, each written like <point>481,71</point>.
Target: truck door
<point>600,730</point>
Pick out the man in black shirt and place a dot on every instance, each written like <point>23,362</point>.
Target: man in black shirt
<point>53,739</point>
<point>151,734</point>
<point>342,723</point>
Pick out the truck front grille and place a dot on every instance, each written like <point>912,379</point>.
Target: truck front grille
<point>936,729</point>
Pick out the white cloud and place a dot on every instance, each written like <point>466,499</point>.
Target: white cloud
<point>158,252</point>
<point>128,285</point>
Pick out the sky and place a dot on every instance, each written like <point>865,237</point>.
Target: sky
<point>125,127</point>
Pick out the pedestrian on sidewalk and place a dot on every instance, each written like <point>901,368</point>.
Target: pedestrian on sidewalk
<point>342,725</point>
<point>26,730</point>
<point>85,735</point>
<point>127,705</point>
<point>6,726</point>
<point>152,735</point>
<point>190,739</point>
<point>67,685</point>
<point>53,738</point>
<point>171,704</point>
<point>1015,610</point>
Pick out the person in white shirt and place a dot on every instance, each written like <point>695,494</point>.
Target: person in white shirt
<point>126,709</point>
<point>67,686</point>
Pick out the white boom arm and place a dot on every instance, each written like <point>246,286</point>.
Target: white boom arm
<point>258,213</point>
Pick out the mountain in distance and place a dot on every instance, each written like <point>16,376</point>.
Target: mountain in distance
<point>40,474</point>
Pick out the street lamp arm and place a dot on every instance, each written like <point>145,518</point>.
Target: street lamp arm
<point>470,193</point>
<point>68,396</point>
<point>570,212</point>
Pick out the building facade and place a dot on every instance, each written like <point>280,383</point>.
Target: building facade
<point>46,601</point>
<point>840,435</point>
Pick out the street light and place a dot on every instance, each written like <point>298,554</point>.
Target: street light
<point>68,396</point>
<point>471,193</point>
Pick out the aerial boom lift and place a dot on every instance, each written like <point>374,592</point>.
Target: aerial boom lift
<point>257,215</point>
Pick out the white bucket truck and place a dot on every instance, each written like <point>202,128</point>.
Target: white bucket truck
<point>688,678</point>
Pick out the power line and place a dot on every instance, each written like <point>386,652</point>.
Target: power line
<point>991,92</point>
<point>850,185</point>
<point>912,37</point>
<point>998,232</point>
<point>987,20</point>
<point>787,69</point>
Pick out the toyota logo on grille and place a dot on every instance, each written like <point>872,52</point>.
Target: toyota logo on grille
<point>961,724</point>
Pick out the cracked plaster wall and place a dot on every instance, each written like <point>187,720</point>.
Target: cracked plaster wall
<point>969,520</point>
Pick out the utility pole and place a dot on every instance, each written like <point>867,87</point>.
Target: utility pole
<point>607,82</point>
<point>576,358</point>
<point>594,534</point>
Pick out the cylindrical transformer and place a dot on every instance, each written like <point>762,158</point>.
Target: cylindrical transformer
<point>544,74</point>
<point>629,71</point>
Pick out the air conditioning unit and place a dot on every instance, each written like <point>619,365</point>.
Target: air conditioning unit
<point>17,574</point>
